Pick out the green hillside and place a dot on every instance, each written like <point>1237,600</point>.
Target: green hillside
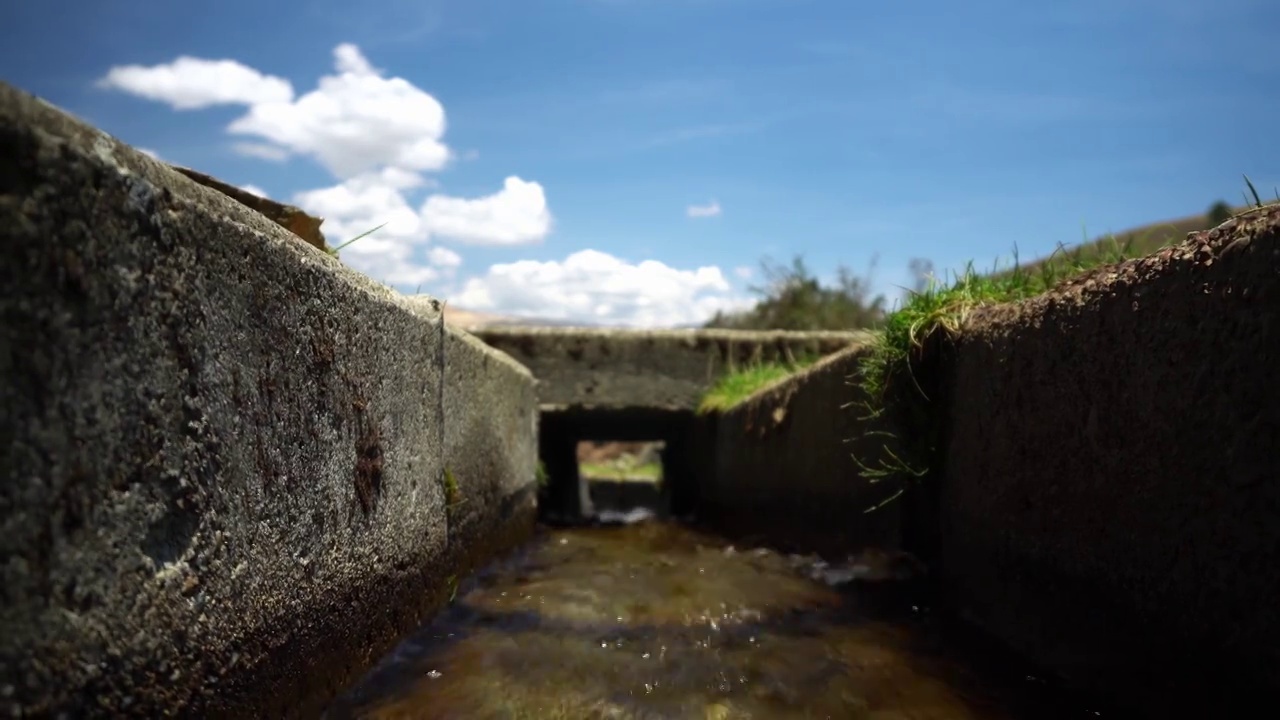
<point>1136,242</point>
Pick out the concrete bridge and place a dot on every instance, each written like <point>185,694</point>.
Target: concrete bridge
<point>233,472</point>
<point>636,385</point>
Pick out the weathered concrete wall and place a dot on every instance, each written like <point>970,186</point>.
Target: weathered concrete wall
<point>667,369</point>
<point>491,449</point>
<point>1105,501</point>
<point>222,453</point>
<point>780,464</point>
<point>1110,504</point>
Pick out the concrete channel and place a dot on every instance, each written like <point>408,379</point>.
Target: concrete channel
<point>237,473</point>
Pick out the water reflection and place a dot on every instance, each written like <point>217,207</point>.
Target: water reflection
<point>654,620</point>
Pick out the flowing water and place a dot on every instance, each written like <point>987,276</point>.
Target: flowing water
<point>652,619</point>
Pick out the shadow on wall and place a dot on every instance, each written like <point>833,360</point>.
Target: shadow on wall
<point>779,466</point>
<point>1110,503</point>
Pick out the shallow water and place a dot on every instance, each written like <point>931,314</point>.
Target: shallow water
<point>655,620</point>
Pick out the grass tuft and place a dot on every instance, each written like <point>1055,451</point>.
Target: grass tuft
<point>1257,201</point>
<point>624,468</point>
<point>737,385</point>
<point>452,492</point>
<point>937,314</point>
<point>366,233</point>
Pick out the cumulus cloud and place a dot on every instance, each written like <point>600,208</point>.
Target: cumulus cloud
<point>378,136</point>
<point>711,209</point>
<point>367,201</point>
<point>744,272</point>
<point>394,252</point>
<point>355,121</point>
<point>255,190</point>
<point>389,259</point>
<point>594,287</point>
<point>444,257</point>
<point>192,83</point>
<point>262,151</point>
<point>515,215</point>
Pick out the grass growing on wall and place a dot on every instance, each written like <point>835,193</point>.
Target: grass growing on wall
<point>737,385</point>
<point>940,310</point>
<point>623,470</point>
<point>334,250</point>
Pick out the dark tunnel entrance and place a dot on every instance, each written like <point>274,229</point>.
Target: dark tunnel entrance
<point>622,476</point>
<point>568,496</point>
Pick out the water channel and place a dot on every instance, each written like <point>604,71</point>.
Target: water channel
<point>651,619</point>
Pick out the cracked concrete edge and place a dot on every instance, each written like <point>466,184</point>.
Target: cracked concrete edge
<point>222,448</point>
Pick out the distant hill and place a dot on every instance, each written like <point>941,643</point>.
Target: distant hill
<point>1136,242</point>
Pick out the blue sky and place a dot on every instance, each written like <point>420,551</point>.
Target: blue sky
<point>840,130</point>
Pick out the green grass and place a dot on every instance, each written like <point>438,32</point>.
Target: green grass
<point>737,385</point>
<point>452,492</point>
<point>622,470</point>
<point>334,250</point>
<point>940,311</point>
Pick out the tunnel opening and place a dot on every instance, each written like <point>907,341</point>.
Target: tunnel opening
<point>623,478</point>
<point>615,461</point>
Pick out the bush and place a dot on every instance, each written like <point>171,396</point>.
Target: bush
<point>1218,213</point>
<point>793,299</point>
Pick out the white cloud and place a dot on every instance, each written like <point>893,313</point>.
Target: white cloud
<point>711,209</point>
<point>515,215</point>
<point>388,259</point>
<point>444,257</point>
<point>262,151</point>
<point>150,153</point>
<point>744,272</point>
<point>394,252</point>
<point>364,202</point>
<point>594,287</point>
<point>192,83</point>
<point>378,136</point>
<point>254,189</point>
<point>348,59</point>
<point>355,121</point>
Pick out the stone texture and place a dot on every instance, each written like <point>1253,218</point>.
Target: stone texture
<point>491,448</point>
<point>1110,504</point>
<point>222,451</point>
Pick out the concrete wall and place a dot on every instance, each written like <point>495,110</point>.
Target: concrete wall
<point>669,369</point>
<point>491,448</point>
<point>1105,500</point>
<point>222,453</point>
<point>780,464</point>
<point>1111,504</point>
